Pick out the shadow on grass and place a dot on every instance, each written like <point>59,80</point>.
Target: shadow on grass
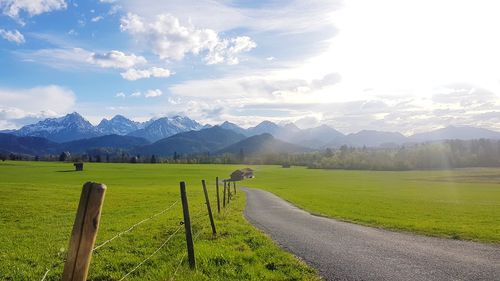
<point>66,171</point>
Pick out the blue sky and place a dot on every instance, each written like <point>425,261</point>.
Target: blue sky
<point>389,65</point>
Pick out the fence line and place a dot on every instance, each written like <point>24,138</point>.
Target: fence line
<point>45,275</point>
<point>183,256</point>
<point>195,219</point>
<point>116,236</point>
<point>135,225</point>
<point>150,256</point>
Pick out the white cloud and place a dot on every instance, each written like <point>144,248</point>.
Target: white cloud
<point>170,40</point>
<point>116,59</point>
<point>227,50</point>
<point>136,74</point>
<point>153,93</point>
<point>13,8</point>
<point>294,16</point>
<point>96,19</point>
<point>12,36</point>
<point>62,58</point>
<point>22,106</point>
<point>77,58</point>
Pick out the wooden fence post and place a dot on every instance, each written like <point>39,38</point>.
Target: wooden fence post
<point>214,232</point>
<point>228,192</point>
<point>224,196</point>
<point>218,197</point>
<point>84,232</point>
<point>234,185</point>
<point>187,226</point>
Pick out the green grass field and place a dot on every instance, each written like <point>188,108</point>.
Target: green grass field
<point>458,204</point>
<point>38,202</point>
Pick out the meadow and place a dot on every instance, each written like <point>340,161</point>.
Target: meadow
<point>458,204</point>
<point>38,203</point>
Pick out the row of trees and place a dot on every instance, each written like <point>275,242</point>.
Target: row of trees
<point>435,155</point>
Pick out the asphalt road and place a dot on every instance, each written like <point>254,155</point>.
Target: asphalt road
<point>346,251</point>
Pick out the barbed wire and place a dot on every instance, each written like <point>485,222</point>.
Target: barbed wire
<point>134,226</point>
<point>150,256</point>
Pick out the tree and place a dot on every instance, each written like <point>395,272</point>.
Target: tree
<point>241,156</point>
<point>64,156</point>
<point>153,159</point>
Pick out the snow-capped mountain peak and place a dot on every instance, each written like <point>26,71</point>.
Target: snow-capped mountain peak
<point>118,125</point>
<point>69,127</point>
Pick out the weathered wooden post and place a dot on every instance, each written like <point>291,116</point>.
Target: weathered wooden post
<point>218,196</point>
<point>228,192</point>
<point>224,196</point>
<point>84,232</point>
<point>234,186</point>
<point>214,232</point>
<point>187,226</point>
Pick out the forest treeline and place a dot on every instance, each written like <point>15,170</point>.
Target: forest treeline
<point>435,155</point>
<point>431,155</point>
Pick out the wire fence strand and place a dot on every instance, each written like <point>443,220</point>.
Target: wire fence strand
<point>116,236</point>
<point>45,275</point>
<point>183,256</point>
<point>151,255</point>
<point>134,226</point>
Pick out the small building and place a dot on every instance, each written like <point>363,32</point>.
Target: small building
<point>247,173</point>
<point>242,174</point>
<point>78,166</point>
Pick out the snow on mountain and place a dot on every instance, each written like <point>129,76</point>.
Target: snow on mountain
<point>166,127</point>
<point>70,127</point>
<point>118,125</point>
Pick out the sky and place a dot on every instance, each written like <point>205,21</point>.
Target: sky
<point>391,65</point>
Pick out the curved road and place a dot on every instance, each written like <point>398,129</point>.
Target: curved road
<point>346,251</point>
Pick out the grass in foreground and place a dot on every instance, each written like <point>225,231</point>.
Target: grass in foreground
<point>458,204</point>
<point>38,203</point>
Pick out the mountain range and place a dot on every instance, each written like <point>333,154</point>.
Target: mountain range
<point>164,136</point>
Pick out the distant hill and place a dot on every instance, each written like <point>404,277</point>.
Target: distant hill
<point>166,127</point>
<point>262,144</point>
<point>41,146</point>
<point>456,132</point>
<point>316,137</point>
<point>233,127</point>
<point>110,141</point>
<point>27,145</point>
<point>192,142</point>
<point>370,138</point>
<point>313,137</point>
<point>262,128</point>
